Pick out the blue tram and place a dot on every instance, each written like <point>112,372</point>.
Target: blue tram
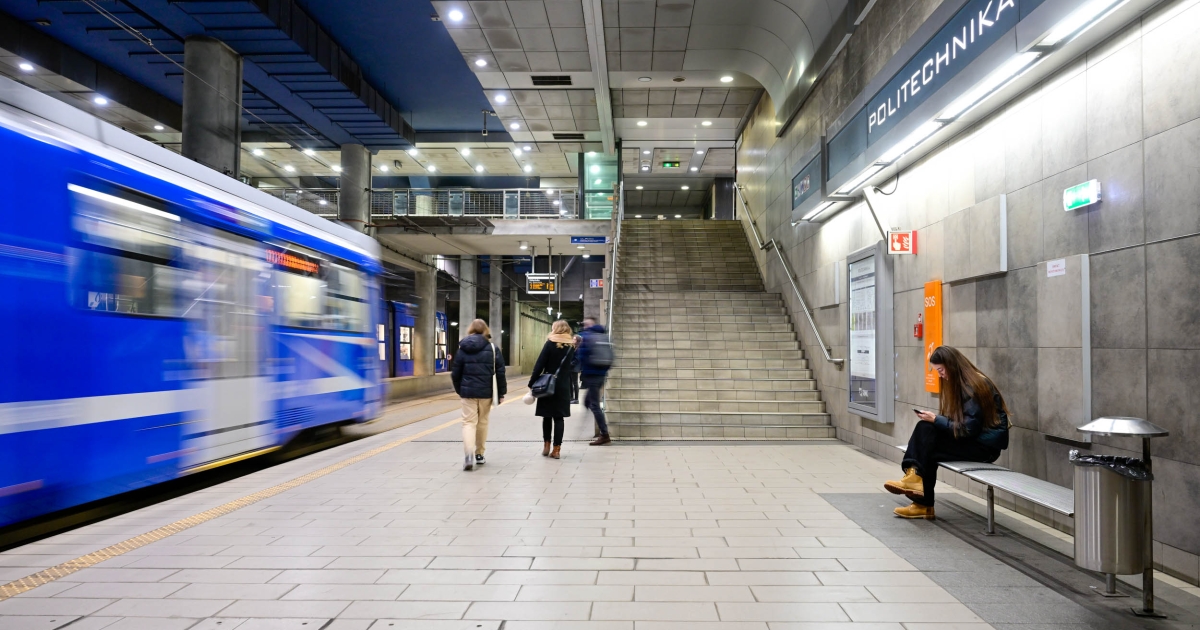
<point>401,319</point>
<point>160,318</point>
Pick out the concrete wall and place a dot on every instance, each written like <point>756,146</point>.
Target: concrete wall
<point>1127,113</point>
<point>535,326</point>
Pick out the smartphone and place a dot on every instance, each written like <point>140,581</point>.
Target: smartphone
<point>916,411</point>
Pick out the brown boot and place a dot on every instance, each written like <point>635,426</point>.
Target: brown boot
<point>916,510</point>
<point>911,485</point>
<point>554,454</point>
<point>601,441</point>
<point>546,449</point>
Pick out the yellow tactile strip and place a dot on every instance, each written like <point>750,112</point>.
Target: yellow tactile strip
<point>30,582</point>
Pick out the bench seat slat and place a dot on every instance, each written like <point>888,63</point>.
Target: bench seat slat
<point>1043,493</point>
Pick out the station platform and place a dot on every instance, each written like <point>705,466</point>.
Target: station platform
<point>388,533</point>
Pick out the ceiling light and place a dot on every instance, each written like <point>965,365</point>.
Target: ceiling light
<point>695,168</point>
<point>556,202</point>
<point>637,216</point>
<point>595,169</point>
<point>515,126</point>
<point>645,79</point>
<point>455,15</point>
<point>413,152</point>
<point>431,168</point>
<point>482,63</point>
<point>383,167</point>
<point>336,168</point>
<point>26,66</point>
<point>1089,13</point>
<point>479,168</point>
<point>100,100</point>
<point>726,79</point>
<point>645,168</point>
<point>683,187</point>
<point>465,151</point>
<point>158,127</point>
<point>707,123</point>
<point>861,179</point>
<point>528,168</point>
<point>994,81</point>
<point>587,255</point>
<point>309,152</point>
<point>679,216</point>
<point>818,211</point>
<point>591,153</point>
<point>638,187</point>
<point>580,247</point>
<point>517,151</point>
<point>913,139</point>
<point>645,153</point>
<point>257,152</point>
<point>453,324</point>
<point>700,152</point>
<point>527,148</point>
<point>323,202</point>
<point>289,168</point>
<point>597,182</point>
<point>500,98</point>
<point>642,123</point>
<point>523,244</point>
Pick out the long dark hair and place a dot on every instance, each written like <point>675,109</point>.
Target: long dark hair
<point>964,380</point>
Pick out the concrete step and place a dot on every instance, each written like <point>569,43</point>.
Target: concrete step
<point>698,355</point>
<point>719,432</point>
<point>646,393</point>
<point>637,335</point>
<point>716,406</point>
<point>780,326</point>
<point>714,347</point>
<point>676,322</point>
<point>711,373</point>
<point>713,362</point>
<point>616,381</point>
<point>743,418</point>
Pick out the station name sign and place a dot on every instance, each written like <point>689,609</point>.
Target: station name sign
<point>971,31</point>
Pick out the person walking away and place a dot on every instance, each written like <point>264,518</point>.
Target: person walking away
<point>971,425</point>
<point>575,369</point>
<point>478,378</point>
<point>595,359</point>
<point>555,358</point>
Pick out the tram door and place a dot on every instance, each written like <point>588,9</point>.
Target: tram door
<point>226,345</point>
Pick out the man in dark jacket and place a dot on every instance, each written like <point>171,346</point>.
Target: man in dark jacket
<point>476,361</point>
<point>594,376</point>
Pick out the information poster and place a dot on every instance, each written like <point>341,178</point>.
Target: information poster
<point>933,332</point>
<point>863,345</point>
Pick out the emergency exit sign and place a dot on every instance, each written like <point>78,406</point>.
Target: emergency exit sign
<point>670,164</point>
<point>1081,195</point>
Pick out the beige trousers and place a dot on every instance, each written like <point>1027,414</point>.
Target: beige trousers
<point>475,424</point>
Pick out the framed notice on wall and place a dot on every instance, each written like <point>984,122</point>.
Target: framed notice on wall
<point>870,386</point>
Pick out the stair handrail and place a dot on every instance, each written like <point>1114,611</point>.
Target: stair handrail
<point>612,270</point>
<point>791,275</point>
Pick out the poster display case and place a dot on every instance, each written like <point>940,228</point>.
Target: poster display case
<point>871,353</point>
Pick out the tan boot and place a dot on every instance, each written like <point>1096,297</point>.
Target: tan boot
<point>554,454</point>
<point>546,449</point>
<point>916,510</point>
<point>911,485</point>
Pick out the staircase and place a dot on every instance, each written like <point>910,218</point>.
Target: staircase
<point>703,351</point>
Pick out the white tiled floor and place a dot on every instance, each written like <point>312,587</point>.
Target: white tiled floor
<point>645,537</point>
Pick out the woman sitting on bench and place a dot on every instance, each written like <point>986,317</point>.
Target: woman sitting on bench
<point>967,427</point>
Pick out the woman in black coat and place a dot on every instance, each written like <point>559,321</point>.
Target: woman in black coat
<point>558,351</point>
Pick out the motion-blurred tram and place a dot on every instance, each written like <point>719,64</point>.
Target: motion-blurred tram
<point>159,318</point>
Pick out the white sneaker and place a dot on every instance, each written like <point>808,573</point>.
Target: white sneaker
<point>479,460</point>
<point>469,463</point>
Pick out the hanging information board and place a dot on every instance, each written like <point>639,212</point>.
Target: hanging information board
<point>541,283</point>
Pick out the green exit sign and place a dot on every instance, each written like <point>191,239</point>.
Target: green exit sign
<point>1081,195</point>
<point>670,164</point>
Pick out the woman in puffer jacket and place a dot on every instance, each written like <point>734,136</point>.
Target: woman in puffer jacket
<point>475,363</point>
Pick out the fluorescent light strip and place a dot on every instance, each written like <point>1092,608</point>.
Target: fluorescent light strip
<point>862,178</point>
<point>819,210</point>
<point>913,139</point>
<point>1012,69</point>
<point>125,203</point>
<point>1078,21</point>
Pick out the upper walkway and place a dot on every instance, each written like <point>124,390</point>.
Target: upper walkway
<point>388,533</point>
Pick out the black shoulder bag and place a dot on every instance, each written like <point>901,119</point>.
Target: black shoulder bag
<point>545,384</point>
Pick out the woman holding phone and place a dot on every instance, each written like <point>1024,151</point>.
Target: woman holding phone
<point>971,425</point>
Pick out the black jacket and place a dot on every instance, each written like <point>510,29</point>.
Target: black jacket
<point>554,354</point>
<point>995,437</point>
<point>472,369</point>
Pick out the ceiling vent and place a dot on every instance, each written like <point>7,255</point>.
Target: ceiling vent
<point>551,80</point>
<point>568,136</point>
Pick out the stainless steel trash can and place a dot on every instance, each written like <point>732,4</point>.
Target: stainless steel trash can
<point>1112,497</point>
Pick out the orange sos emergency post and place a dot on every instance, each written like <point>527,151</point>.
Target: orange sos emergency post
<point>933,332</point>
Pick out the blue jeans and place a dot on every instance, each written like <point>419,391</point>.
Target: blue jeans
<point>592,401</point>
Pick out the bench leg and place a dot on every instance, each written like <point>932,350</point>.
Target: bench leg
<point>991,512</point>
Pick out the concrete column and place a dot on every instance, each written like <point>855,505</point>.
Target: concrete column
<point>424,336</point>
<point>354,193</point>
<point>514,328</point>
<point>468,275</point>
<point>496,299</point>
<point>212,104</point>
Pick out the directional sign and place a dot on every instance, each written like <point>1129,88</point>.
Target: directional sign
<point>589,240</point>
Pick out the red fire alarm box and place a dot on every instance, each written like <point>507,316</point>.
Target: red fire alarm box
<point>919,327</point>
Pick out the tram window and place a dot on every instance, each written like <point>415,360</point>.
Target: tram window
<point>129,259</point>
<point>345,301</point>
<point>300,300</point>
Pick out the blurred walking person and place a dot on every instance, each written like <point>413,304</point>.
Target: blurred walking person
<point>554,406</point>
<point>478,377</point>
<point>595,359</point>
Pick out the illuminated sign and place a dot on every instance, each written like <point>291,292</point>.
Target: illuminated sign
<point>543,283</point>
<point>1081,195</point>
<point>670,164</point>
<point>292,262</point>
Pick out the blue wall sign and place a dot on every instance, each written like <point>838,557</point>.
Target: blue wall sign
<point>807,182</point>
<point>589,240</point>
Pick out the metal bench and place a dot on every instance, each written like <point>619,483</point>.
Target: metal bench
<point>1032,489</point>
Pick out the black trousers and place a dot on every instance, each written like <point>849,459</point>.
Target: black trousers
<point>558,430</point>
<point>928,446</point>
<point>592,402</point>
<point>574,385</point>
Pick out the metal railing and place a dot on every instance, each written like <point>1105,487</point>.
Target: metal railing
<point>791,275</point>
<point>510,203</point>
<point>612,263</point>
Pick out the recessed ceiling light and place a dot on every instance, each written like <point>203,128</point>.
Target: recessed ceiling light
<point>591,153</point>
<point>466,151</point>
<point>500,98</point>
<point>580,247</point>
<point>479,168</point>
<point>528,148</point>
<point>26,66</point>
<point>695,168</point>
<point>517,151</point>
<point>455,15</point>
<point>336,168</point>
<point>707,123</point>
<point>289,168</point>
<point>679,216</point>
<point>323,202</point>
<point>515,126</point>
<point>637,216</point>
<point>587,254</point>
<point>100,100</point>
<point>638,187</point>
<point>595,169</point>
<point>257,152</point>
<point>645,79</point>
<point>557,202</point>
<point>523,244</point>
<point>528,168</point>
<point>431,168</point>
<point>683,187</point>
<point>700,152</point>
<point>726,79</point>
<point>383,167</point>
<point>482,63</point>
<point>413,151</point>
<point>598,181</point>
<point>642,123</point>
<point>645,168</point>
<point>158,127</point>
<point>309,152</point>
